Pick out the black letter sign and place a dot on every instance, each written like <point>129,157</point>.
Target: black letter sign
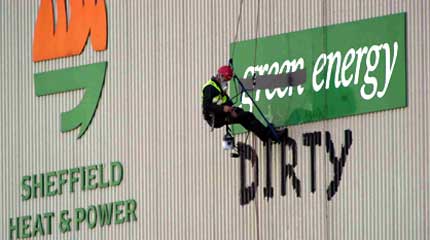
<point>338,164</point>
<point>246,152</point>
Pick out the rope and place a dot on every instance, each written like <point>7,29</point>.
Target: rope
<point>257,28</point>
<point>254,143</point>
<point>324,39</point>
<point>257,217</point>
<point>233,51</point>
<point>238,21</point>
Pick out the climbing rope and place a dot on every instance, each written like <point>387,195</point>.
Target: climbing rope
<point>233,52</point>
<point>257,29</point>
<point>257,26</point>
<point>238,22</point>
<point>254,140</point>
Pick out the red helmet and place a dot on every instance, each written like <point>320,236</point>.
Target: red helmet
<point>226,72</point>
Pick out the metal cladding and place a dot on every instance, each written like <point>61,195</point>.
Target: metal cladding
<point>367,177</point>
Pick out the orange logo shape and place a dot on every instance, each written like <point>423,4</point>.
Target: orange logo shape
<point>69,38</point>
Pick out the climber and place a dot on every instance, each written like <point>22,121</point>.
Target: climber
<point>218,109</point>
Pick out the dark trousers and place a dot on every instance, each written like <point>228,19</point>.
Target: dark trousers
<point>246,119</point>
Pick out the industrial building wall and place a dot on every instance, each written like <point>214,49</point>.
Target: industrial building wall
<point>183,184</point>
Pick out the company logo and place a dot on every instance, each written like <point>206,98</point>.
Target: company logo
<point>65,37</point>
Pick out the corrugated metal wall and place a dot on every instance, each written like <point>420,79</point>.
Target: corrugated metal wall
<point>159,55</point>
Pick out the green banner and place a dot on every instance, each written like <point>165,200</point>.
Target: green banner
<point>347,69</point>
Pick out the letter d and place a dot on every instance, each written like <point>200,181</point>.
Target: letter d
<point>116,179</point>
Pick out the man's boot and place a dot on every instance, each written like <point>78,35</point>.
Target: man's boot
<point>280,133</point>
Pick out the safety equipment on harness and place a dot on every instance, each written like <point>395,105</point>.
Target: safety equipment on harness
<point>228,142</point>
<point>228,139</point>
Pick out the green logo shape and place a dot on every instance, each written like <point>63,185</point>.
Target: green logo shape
<point>89,77</point>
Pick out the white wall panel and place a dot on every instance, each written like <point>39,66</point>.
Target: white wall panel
<point>159,55</point>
